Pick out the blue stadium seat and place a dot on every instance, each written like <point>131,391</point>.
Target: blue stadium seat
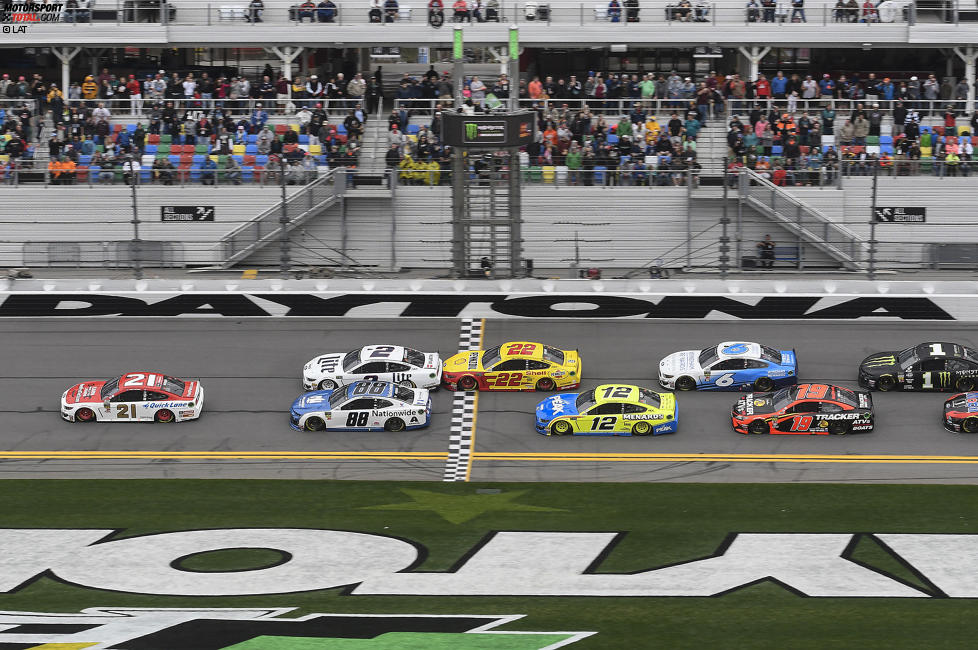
<point>174,159</point>
<point>599,174</point>
<point>239,158</point>
<point>252,138</point>
<point>612,138</point>
<point>340,128</point>
<point>303,139</point>
<point>886,148</point>
<point>195,174</point>
<point>886,139</point>
<point>776,149</point>
<point>150,150</point>
<point>131,128</point>
<point>412,129</point>
<point>145,175</point>
<point>84,160</point>
<point>261,161</point>
<point>198,159</point>
<point>925,129</point>
<point>251,149</point>
<point>248,174</point>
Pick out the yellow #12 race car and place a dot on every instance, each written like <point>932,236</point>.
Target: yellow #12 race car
<point>517,365</point>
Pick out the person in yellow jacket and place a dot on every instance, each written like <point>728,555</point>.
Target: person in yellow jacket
<point>89,89</point>
<point>952,161</point>
<point>652,130</point>
<point>406,167</point>
<point>431,173</point>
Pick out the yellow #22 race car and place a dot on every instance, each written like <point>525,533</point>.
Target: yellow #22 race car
<point>517,365</point>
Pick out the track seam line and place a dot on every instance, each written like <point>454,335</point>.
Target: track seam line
<point>458,465</point>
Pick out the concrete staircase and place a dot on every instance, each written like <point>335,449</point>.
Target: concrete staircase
<point>373,148</point>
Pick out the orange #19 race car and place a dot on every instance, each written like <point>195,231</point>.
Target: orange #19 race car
<point>961,413</point>
<point>804,409</point>
<point>516,365</point>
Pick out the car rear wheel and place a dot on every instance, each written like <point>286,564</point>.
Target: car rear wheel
<point>394,424</point>
<point>838,427</point>
<point>314,423</point>
<point>763,384</point>
<point>561,428</point>
<point>641,429</point>
<point>165,415</point>
<point>886,382</point>
<point>758,427</point>
<point>546,384</point>
<point>468,382</point>
<point>327,384</point>
<point>964,384</point>
<point>407,383</point>
<point>970,425</point>
<point>685,383</point>
<point>85,415</point>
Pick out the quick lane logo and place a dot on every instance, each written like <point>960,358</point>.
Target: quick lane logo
<point>109,628</point>
<point>507,563</point>
<point>877,362</point>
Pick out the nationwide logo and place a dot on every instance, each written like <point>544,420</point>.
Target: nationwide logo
<point>876,362</point>
<point>118,628</point>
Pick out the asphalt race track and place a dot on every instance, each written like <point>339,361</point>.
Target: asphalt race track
<point>250,372</point>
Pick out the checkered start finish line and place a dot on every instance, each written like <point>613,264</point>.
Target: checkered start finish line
<point>463,410</point>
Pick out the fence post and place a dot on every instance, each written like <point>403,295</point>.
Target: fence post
<point>872,225</point>
<point>284,221</point>
<point>724,221</point>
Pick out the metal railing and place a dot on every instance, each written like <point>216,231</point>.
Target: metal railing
<point>802,219</point>
<point>107,254</point>
<point>26,175</point>
<point>307,202</point>
<point>142,108</point>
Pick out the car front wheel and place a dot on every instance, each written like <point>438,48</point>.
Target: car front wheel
<point>314,424</point>
<point>970,425</point>
<point>763,384</point>
<point>561,428</point>
<point>84,415</point>
<point>886,382</point>
<point>468,383</point>
<point>758,427</point>
<point>327,384</point>
<point>685,383</point>
<point>641,429</point>
<point>838,428</point>
<point>394,424</point>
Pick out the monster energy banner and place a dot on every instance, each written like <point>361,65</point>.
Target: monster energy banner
<point>496,129</point>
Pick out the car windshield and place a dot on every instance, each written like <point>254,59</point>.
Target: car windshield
<point>647,397</point>
<point>781,398</point>
<point>491,357</point>
<point>351,360</point>
<point>172,385</point>
<point>338,397</point>
<point>968,353</point>
<point>414,357</point>
<point>907,356</point>
<point>585,401</point>
<point>770,354</point>
<point>109,388</point>
<point>708,357</point>
<point>553,355</point>
<point>404,394</point>
<point>846,396</point>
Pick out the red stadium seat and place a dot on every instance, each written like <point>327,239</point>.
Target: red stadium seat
<point>280,129</point>
<point>153,138</point>
<point>81,173</point>
<point>249,160</point>
<point>939,130</point>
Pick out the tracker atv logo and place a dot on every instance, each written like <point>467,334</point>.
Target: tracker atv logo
<point>108,628</point>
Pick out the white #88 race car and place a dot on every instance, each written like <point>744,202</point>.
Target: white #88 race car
<point>362,406</point>
<point>393,363</point>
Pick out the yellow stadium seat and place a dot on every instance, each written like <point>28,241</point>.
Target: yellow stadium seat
<point>213,157</point>
<point>927,151</point>
<point>4,159</point>
<point>315,149</point>
<point>294,127</point>
<point>239,150</point>
<point>549,173</point>
<point>964,129</point>
<point>412,138</point>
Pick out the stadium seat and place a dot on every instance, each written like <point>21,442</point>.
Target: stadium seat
<point>195,174</point>
<point>247,174</point>
<point>81,173</point>
<point>873,148</point>
<point>163,150</point>
<point>147,160</point>
<point>261,161</point>
<point>612,138</point>
<point>280,129</point>
<point>250,149</point>
<point>925,129</point>
<point>150,149</point>
<point>303,139</point>
<point>173,158</point>
<point>315,149</point>
<point>84,160</point>
<point>886,129</point>
<point>886,148</point>
<point>131,128</point>
<point>886,139</point>
<point>828,140</point>
<point>248,160</point>
<point>561,174</point>
<point>872,139</point>
<point>536,174</point>
<point>964,130</point>
<point>599,174</point>
<point>202,148</point>
<point>195,159</point>
<point>252,138</point>
<point>341,128</point>
<point>777,149</point>
<point>238,149</point>
<point>295,127</point>
<point>549,173</point>
<point>118,127</point>
<point>94,171</point>
<point>412,129</point>
<point>166,139</point>
<point>805,149</point>
<point>927,151</point>
<point>145,175</point>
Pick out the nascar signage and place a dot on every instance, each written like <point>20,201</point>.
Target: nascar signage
<point>505,563</point>
<point>186,213</point>
<point>900,215</point>
<point>499,130</point>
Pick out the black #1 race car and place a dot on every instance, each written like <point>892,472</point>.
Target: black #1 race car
<point>928,366</point>
<point>961,413</point>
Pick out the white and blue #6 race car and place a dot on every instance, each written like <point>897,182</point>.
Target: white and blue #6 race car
<point>732,365</point>
<point>362,406</point>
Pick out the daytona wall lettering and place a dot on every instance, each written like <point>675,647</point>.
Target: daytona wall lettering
<point>507,564</point>
<point>451,305</point>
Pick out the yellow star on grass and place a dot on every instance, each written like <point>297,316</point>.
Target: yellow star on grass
<point>458,509</point>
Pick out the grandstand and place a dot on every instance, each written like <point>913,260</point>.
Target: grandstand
<point>692,188</point>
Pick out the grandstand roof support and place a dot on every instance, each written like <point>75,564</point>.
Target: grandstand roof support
<point>287,55</point>
<point>969,55</point>
<point>65,55</point>
<point>753,54</point>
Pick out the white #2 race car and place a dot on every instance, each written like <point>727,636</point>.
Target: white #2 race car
<point>392,363</point>
<point>133,397</point>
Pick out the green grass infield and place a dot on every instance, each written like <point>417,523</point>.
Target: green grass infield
<point>663,524</point>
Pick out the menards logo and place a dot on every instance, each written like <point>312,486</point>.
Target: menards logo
<point>106,628</point>
<point>506,563</point>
